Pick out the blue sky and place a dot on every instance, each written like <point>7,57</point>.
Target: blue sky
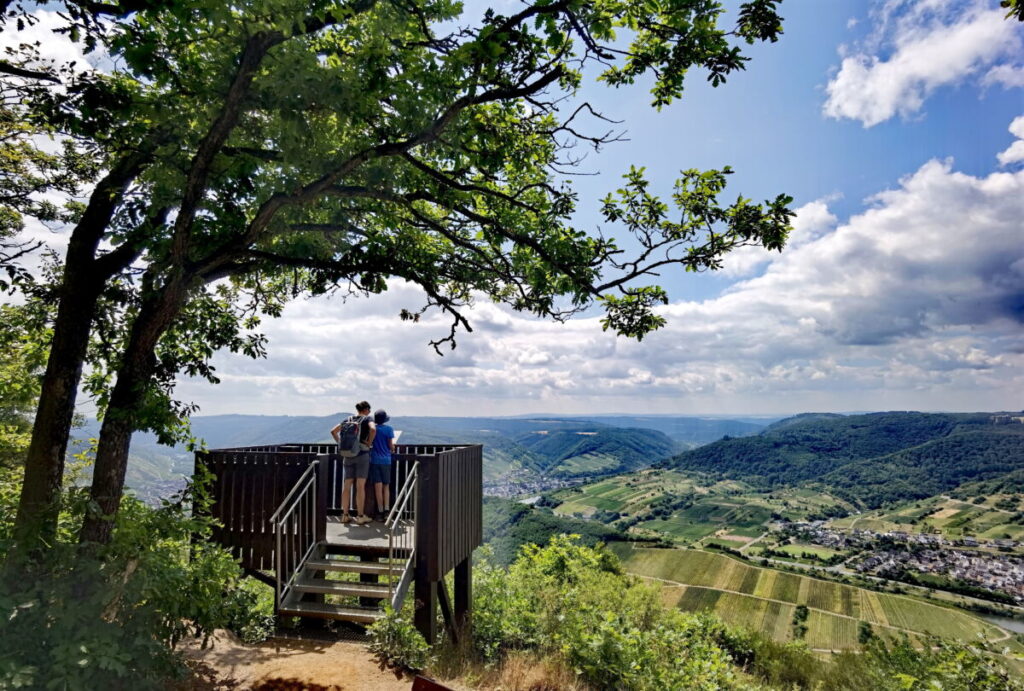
<point>888,121</point>
<point>902,287</point>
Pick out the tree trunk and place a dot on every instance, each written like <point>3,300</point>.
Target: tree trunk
<point>84,277</point>
<point>36,523</point>
<point>120,420</point>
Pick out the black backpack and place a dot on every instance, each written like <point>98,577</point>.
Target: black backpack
<point>348,437</point>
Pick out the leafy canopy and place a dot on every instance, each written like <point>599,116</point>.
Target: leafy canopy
<point>304,147</point>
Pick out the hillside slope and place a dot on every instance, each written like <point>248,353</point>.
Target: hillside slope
<point>589,451</point>
<point>871,459</point>
<point>541,446</point>
<point>967,454</point>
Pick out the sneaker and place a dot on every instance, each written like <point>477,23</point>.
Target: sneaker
<point>362,520</point>
<point>380,517</point>
<point>345,518</point>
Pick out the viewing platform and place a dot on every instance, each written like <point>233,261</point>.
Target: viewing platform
<point>279,509</point>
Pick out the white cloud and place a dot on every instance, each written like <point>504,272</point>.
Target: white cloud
<point>1015,153</point>
<point>1007,76</point>
<point>52,49</point>
<point>811,221</point>
<point>917,302</point>
<point>916,48</point>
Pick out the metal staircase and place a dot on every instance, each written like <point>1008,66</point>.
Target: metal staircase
<point>310,590</point>
<point>313,576</point>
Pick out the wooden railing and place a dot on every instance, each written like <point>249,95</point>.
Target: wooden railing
<point>450,524</point>
<point>247,487</point>
<point>251,484</point>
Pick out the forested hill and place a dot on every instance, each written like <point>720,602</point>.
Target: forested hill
<point>871,459</point>
<point>584,450</point>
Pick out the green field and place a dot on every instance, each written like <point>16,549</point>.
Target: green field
<point>708,506</point>
<point>798,549</point>
<point>827,600</point>
<point>773,618</point>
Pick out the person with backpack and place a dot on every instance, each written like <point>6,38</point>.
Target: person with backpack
<point>380,463</point>
<point>354,436</point>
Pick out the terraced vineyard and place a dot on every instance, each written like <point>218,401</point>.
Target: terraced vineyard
<point>625,494</point>
<point>765,598</point>
<point>702,507</point>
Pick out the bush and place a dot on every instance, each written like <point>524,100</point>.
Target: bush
<point>573,605</point>
<point>109,615</point>
<point>573,602</point>
<point>397,643</point>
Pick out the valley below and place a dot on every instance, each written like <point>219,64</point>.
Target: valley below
<point>827,529</point>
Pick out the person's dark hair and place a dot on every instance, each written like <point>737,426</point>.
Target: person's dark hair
<point>361,406</point>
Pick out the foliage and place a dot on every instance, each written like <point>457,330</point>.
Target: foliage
<point>508,525</point>
<point>30,177</point>
<point>940,664</point>
<point>1016,8</point>
<point>272,142</point>
<point>23,350</point>
<point>574,602</point>
<point>84,619</point>
<point>867,459</point>
<point>397,643</point>
<point>800,614</point>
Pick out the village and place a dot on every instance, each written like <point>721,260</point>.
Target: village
<point>523,482</point>
<point>894,554</point>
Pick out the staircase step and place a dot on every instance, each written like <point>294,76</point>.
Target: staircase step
<point>352,566</point>
<point>293,607</point>
<point>322,586</point>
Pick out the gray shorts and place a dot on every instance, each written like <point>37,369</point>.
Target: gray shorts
<point>357,466</point>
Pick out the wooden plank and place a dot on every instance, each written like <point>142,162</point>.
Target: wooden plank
<point>422,683</point>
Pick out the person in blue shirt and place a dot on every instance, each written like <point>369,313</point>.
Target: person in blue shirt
<point>380,463</point>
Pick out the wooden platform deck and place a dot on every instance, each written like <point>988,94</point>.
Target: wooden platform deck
<point>370,538</point>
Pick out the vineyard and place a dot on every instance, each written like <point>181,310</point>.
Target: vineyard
<point>764,599</point>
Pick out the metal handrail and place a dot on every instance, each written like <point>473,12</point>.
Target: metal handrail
<point>300,491</point>
<point>405,504</point>
<point>312,466</point>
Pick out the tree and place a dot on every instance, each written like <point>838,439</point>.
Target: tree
<point>22,358</point>
<point>301,147</point>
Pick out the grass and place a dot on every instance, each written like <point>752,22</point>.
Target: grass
<point>706,570</point>
<point>798,550</point>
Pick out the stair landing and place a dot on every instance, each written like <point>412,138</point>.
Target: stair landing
<point>372,537</point>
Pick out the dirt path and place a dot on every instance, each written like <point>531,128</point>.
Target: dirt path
<point>290,664</point>
<point>753,542</point>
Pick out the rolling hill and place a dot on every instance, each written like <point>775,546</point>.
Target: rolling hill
<point>557,447</point>
<point>870,459</point>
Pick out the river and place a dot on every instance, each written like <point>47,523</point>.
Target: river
<point>1015,625</point>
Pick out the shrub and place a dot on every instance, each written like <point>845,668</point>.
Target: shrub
<point>109,615</point>
<point>573,602</point>
<point>397,643</point>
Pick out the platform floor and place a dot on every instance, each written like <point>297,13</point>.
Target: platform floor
<point>373,535</point>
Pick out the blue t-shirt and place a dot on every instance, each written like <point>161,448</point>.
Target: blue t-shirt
<point>381,452</point>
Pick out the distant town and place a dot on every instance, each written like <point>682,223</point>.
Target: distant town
<point>895,554</point>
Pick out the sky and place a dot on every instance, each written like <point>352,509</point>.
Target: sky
<point>898,128</point>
